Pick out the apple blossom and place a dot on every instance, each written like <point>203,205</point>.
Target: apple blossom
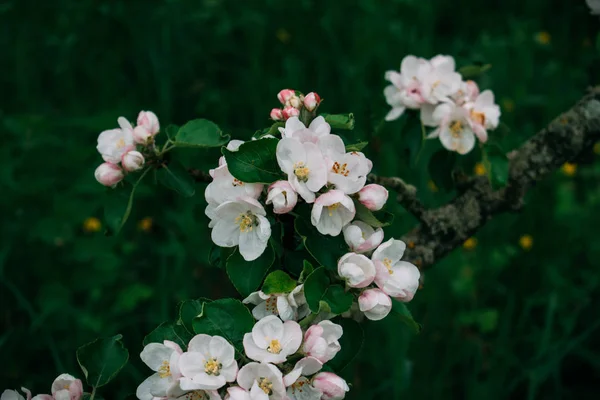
<point>406,90</point>
<point>109,174</point>
<point>361,237</point>
<point>332,386</point>
<point>399,279</point>
<point>241,222</point>
<point>208,364</point>
<point>283,197</point>
<point>304,367</point>
<point>317,129</point>
<point>454,128</point>
<point>132,161</point>
<point>290,112</point>
<point>321,341</point>
<point>149,121</point>
<point>225,187</point>
<point>237,393</point>
<point>331,212</point>
<point>164,359</point>
<point>484,114</point>
<point>373,196</point>
<point>14,395</point>
<point>375,304</point>
<point>356,269</point>
<point>67,387</point>
<point>346,171</point>
<point>289,306</point>
<point>141,135</point>
<point>113,143</point>
<point>264,377</point>
<point>441,80</point>
<point>303,390</point>
<point>272,340</point>
<point>276,114</point>
<point>285,95</point>
<point>304,165</point>
<point>198,394</point>
<point>312,101</point>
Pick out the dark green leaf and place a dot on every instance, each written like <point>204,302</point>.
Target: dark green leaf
<point>400,311</point>
<point>339,300</point>
<point>440,168</point>
<point>247,276</point>
<point>200,133</point>
<point>254,161</point>
<point>278,282</point>
<point>377,219</point>
<point>118,204</point>
<point>306,270</point>
<point>473,71</point>
<point>169,331</point>
<point>315,287</point>
<point>351,343</point>
<point>273,130</point>
<point>324,248</point>
<point>356,146</point>
<point>102,359</point>
<point>177,178</point>
<point>171,132</point>
<point>190,309</point>
<point>340,121</point>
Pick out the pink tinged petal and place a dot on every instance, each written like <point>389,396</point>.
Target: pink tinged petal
<point>466,142</point>
<point>237,393</point>
<point>173,345</point>
<point>395,113</point>
<point>353,236</point>
<point>293,124</point>
<point>372,241</point>
<point>155,354</point>
<point>393,249</point>
<point>202,381</point>
<point>38,397</point>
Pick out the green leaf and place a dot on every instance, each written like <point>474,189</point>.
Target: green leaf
<point>118,204</point>
<point>278,282</point>
<point>356,146</point>
<point>326,249</point>
<point>228,318</point>
<point>473,71</point>
<point>273,130</point>
<point>190,309</point>
<point>306,270</point>
<point>315,287</point>
<point>338,299</point>
<point>171,132</point>
<point>254,161</point>
<point>177,178</point>
<point>351,343</point>
<point>247,276</point>
<point>377,219</point>
<point>169,331</point>
<point>340,121</point>
<point>440,168</point>
<point>400,311</point>
<point>200,133</point>
<point>102,359</point>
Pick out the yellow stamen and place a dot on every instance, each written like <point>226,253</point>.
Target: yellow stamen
<point>145,224</point>
<point>165,370</point>
<point>301,171</point>
<point>274,347</point>
<point>212,367</point>
<point>266,385</point>
<point>569,169</point>
<point>196,395</point>
<point>237,182</point>
<point>340,169</point>
<point>120,143</point>
<point>478,117</point>
<point>332,207</point>
<point>388,264</point>
<point>456,128</point>
<point>246,222</point>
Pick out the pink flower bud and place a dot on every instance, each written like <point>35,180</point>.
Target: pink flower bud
<point>295,102</point>
<point>289,112</point>
<point>66,387</point>
<point>312,101</point>
<point>141,135</point>
<point>321,341</point>
<point>375,304</point>
<point>109,174</point>
<point>373,196</point>
<point>283,196</point>
<point>285,95</point>
<point>332,386</point>
<point>132,161</point>
<point>148,120</point>
<point>276,114</point>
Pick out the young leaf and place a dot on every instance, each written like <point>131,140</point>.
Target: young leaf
<point>377,219</point>
<point>306,270</point>
<point>473,71</point>
<point>171,132</point>
<point>400,310</point>
<point>254,161</point>
<point>339,300</point>
<point>102,359</point>
<point>273,130</point>
<point>278,282</point>
<point>351,343</point>
<point>169,331</point>
<point>440,168</point>
<point>228,318</point>
<point>324,248</point>
<point>356,146</point>
<point>247,276</point>
<point>200,133</point>
<point>315,287</point>
<point>340,121</point>
<point>177,178</point>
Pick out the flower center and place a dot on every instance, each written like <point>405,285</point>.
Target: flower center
<point>212,367</point>
<point>340,169</point>
<point>196,395</point>
<point>237,182</point>
<point>456,128</point>
<point>165,370</point>
<point>274,347</point>
<point>388,264</point>
<point>246,222</point>
<point>301,171</point>
<point>120,143</point>
<point>266,385</point>
<point>271,304</point>
<point>478,117</point>
<point>332,208</point>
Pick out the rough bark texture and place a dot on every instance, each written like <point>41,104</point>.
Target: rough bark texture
<point>567,138</point>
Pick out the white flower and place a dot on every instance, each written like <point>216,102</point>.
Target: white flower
<point>164,359</point>
<point>399,279</point>
<point>208,364</point>
<point>484,114</point>
<point>113,143</point>
<point>356,269</point>
<point>305,166</point>
<point>149,121</point>
<point>331,212</point>
<point>67,387</point>
<point>441,80</point>
<point>321,341</point>
<point>289,306</point>
<point>283,197</point>
<point>272,340</point>
<point>132,161</point>
<point>454,128</point>
<point>242,222</point>
<point>406,89</point>
<point>373,196</point>
<point>361,237</point>
<point>375,304</point>
<point>332,386</point>
<point>198,394</point>
<point>264,377</point>
<point>594,6</point>
<point>306,366</point>
<point>14,395</point>
<point>346,171</point>
<point>303,390</point>
<point>294,128</point>
<point>109,174</point>
<point>237,393</point>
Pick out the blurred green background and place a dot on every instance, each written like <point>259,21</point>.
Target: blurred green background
<point>513,314</point>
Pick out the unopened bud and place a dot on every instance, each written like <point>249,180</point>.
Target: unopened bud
<point>332,386</point>
<point>283,196</point>
<point>141,135</point>
<point>276,114</point>
<point>290,112</point>
<point>285,95</point>
<point>312,101</point>
<point>148,120</point>
<point>295,102</point>
<point>375,304</point>
<point>132,161</point>
<point>109,174</point>
<point>373,196</point>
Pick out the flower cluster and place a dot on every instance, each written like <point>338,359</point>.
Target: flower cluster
<point>64,387</point>
<point>293,102</point>
<point>123,148</point>
<point>283,362</point>
<point>455,108</point>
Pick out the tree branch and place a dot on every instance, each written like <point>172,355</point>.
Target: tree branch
<point>407,194</point>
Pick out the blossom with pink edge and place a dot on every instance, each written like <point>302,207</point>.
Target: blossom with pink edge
<point>285,95</point>
<point>283,197</point>
<point>304,367</point>
<point>374,304</point>
<point>332,211</point>
<point>197,394</point>
<point>304,164</point>
<point>440,80</point>
<point>303,390</point>
<point>321,341</point>
<point>332,386</point>
<point>208,364</point>
<point>361,237</point>
<point>272,340</point>
<point>356,269</point>
<point>453,127</point>
<point>484,114</point>
<point>406,89</point>
<point>9,394</point>
<point>345,171</point>
<point>256,377</point>
<point>290,112</point>
<point>109,174</point>
<point>132,161</point>
<point>373,196</point>
<point>164,359</point>
<point>113,143</point>
<point>398,279</point>
<point>67,387</point>
<point>149,121</point>
<point>242,222</point>
<point>294,128</point>
<point>276,114</point>
<point>288,306</point>
<point>312,101</point>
